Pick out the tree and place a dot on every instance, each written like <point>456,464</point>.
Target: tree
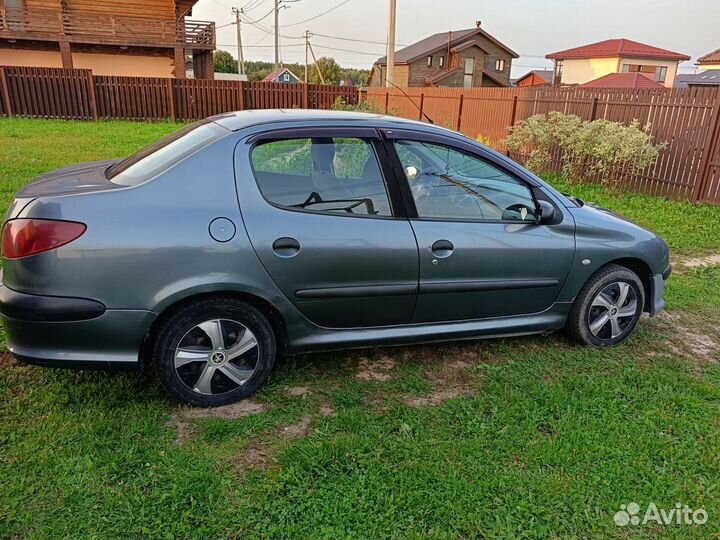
<point>224,62</point>
<point>330,70</point>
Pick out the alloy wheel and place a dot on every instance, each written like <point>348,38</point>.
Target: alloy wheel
<point>613,311</point>
<point>217,356</point>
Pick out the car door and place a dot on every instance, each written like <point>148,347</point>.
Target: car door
<point>323,212</point>
<point>481,252</point>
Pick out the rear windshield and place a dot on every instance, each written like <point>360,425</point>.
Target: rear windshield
<point>160,156</point>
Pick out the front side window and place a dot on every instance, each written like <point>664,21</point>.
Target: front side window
<point>322,174</point>
<point>160,156</point>
<point>449,184</point>
<point>429,61</point>
<point>442,61</point>
<point>500,64</point>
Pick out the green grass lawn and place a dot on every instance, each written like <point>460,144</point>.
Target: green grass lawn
<point>516,438</point>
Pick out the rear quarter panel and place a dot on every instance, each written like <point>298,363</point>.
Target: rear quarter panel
<point>148,246</point>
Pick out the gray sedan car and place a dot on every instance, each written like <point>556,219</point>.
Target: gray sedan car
<point>259,233</point>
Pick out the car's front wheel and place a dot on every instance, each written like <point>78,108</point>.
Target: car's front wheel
<point>608,308</point>
<point>214,351</point>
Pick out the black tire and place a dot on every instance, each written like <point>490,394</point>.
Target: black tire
<point>608,280</point>
<point>230,315</point>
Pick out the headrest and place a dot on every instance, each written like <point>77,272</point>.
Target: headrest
<point>322,151</point>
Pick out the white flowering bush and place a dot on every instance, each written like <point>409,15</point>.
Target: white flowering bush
<point>536,138</point>
<point>599,148</point>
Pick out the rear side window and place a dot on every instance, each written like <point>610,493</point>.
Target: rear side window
<point>160,156</point>
<point>322,174</point>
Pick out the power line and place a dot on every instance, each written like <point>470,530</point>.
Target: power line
<point>252,4</point>
<point>320,46</point>
<point>318,15</point>
<point>356,40</point>
<point>261,18</point>
<point>259,46</point>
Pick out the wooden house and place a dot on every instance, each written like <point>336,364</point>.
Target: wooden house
<point>111,37</point>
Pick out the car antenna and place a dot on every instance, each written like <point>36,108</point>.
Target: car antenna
<point>405,94</point>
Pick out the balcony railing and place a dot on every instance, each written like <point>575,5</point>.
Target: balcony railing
<point>97,28</point>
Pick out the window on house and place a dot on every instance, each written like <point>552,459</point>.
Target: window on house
<point>442,61</point>
<point>286,77</point>
<point>558,71</point>
<point>468,73</point>
<point>429,61</point>
<point>500,64</point>
<point>660,74</point>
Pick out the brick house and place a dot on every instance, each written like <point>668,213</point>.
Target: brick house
<point>111,37</point>
<point>460,58</point>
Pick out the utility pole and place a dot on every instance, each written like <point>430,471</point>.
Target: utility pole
<point>390,67</point>
<point>277,34</point>
<point>307,42</point>
<point>317,66</point>
<point>241,59</point>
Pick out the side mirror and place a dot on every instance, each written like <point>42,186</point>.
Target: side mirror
<point>545,213</point>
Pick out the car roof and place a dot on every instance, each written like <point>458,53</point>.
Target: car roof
<point>235,121</point>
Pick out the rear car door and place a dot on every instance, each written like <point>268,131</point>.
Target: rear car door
<point>323,212</point>
<point>481,252</point>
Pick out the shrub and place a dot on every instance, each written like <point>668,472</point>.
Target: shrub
<point>600,147</point>
<point>538,136</point>
<point>362,106</point>
<point>484,140</point>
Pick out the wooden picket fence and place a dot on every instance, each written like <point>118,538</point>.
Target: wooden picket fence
<point>78,94</point>
<point>687,120</point>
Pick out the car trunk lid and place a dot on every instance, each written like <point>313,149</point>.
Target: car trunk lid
<point>80,178</point>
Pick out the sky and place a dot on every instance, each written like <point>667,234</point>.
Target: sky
<point>531,28</point>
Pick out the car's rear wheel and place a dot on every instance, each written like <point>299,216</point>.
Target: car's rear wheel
<point>608,308</point>
<point>214,351</point>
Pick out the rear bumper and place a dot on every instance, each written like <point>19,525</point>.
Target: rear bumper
<point>35,307</point>
<point>72,332</point>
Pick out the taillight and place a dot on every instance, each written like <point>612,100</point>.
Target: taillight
<point>25,237</point>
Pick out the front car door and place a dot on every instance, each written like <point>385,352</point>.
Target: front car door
<point>482,254</point>
<point>322,211</point>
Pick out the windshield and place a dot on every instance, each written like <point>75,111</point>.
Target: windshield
<point>160,156</point>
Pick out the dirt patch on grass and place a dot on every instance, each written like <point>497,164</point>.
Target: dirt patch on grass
<point>260,454</point>
<point>296,391</point>
<point>450,380</point>
<point>182,419</point>
<point>301,429</point>
<point>323,409</point>
<point>6,360</point>
<point>693,337</point>
<point>375,370</point>
<point>682,264</point>
<point>439,397</point>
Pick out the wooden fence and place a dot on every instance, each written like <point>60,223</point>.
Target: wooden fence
<point>77,94</point>
<point>687,120</point>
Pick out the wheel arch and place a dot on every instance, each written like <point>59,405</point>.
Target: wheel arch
<point>267,308</point>
<point>643,272</point>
